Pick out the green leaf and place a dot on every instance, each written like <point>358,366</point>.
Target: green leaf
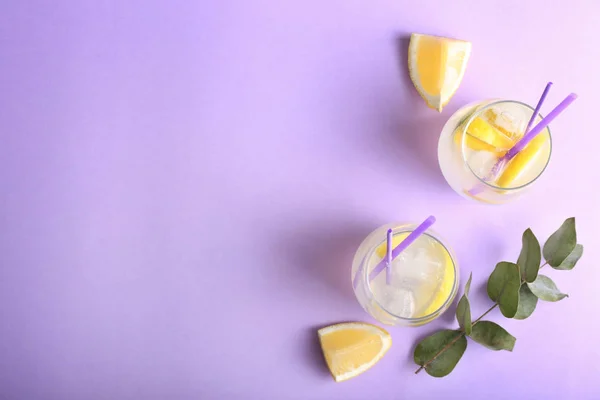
<point>468,284</point>
<point>561,243</point>
<point>427,353</point>
<point>493,336</point>
<point>503,287</point>
<point>545,289</point>
<point>530,257</point>
<point>463,309</point>
<point>569,262</point>
<point>527,303</point>
<point>463,314</point>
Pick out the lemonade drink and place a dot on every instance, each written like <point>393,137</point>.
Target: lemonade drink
<point>424,277</point>
<point>474,140</point>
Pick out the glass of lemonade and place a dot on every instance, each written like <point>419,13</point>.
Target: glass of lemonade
<point>424,277</point>
<point>476,137</point>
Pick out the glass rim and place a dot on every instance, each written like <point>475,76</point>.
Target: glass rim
<point>426,318</point>
<point>481,180</point>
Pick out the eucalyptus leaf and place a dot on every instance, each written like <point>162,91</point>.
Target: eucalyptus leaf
<point>569,262</point>
<point>440,352</point>
<point>463,309</point>
<point>468,284</point>
<point>561,243</point>
<point>503,287</point>
<point>530,257</point>
<point>527,303</point>
<point>463,314</point>
<point>493,336</point>
<point>545,289</point>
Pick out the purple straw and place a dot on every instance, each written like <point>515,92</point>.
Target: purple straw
<point>419,230</point>
<point>538,107</point>
<point>529,136</point>
<point>388,260</point>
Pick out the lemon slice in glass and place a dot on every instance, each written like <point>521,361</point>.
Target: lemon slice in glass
<point>519,170</point>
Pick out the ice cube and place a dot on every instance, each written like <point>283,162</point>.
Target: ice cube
<point>425,258</point>
<point>511,125</point>
<point>507,121</point>
<point>420,267</point>
<point>481,163</point>
<point>402,303</point>
<point>409,253</point>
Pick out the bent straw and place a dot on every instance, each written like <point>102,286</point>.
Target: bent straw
<point>418,231</point>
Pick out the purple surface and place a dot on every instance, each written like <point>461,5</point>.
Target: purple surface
<point>184,185</point>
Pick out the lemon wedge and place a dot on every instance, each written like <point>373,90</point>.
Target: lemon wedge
<point>514,173</point>
<point>436,66</point>
<point>352,348</point>
<point>472,142</point>
<point>485,132</point>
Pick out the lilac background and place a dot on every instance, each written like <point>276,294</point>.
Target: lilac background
<point>184,183</point>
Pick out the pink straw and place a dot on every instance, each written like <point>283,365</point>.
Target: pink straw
<point>388,260</point>
<point>419,230</point>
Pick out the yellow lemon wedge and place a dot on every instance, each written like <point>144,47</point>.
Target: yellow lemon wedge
<point>485,132</point>
<point>352,348</point>
<point>472,142</point>
<point>436,66</point>
<point>520,164</point>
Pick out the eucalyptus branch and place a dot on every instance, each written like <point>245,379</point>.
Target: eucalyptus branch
<point>513,287</point>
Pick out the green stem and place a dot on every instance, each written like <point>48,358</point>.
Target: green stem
<point>485,313</point>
